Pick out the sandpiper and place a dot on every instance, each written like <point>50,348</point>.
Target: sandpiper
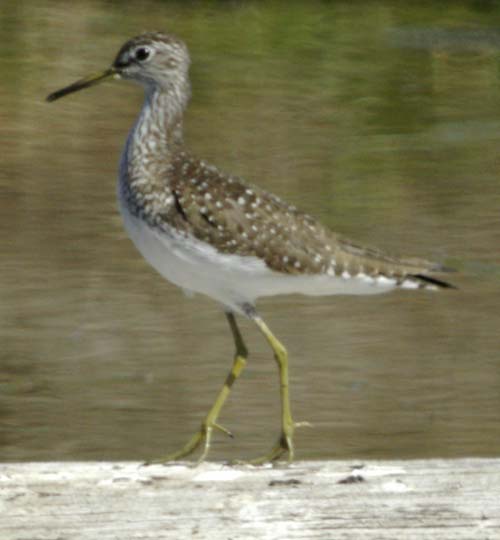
<point>213,233</point>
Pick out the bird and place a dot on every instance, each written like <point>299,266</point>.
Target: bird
<point>214,233</point>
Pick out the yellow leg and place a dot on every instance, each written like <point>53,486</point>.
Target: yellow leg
<point>204,435</point>
<point>285,442</point>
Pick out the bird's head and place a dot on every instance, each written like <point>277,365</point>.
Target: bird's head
<point>155,60</point>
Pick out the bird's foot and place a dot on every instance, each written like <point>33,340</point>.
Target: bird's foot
<point>283,446</point>
<point>201,438</point>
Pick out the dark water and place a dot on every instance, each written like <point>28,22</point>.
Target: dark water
<point>379,119</point>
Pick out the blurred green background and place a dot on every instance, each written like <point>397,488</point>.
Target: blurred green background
<point>382,119</point>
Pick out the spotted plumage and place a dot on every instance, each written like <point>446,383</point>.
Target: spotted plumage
<point>239,218</point>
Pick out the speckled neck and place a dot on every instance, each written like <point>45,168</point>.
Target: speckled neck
<point>156,137</point>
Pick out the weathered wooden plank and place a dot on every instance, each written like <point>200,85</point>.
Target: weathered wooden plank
<point>427,499</point>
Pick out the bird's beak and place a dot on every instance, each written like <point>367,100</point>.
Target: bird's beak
<point>91,80</point>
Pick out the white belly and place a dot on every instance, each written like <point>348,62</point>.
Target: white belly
<point>231,280</point>
<point>193,265</point>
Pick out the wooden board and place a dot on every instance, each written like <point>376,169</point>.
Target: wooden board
<point>427,499</point>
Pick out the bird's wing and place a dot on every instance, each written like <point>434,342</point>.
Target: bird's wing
<point>239,218</point>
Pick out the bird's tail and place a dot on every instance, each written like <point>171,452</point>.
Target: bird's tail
<point>429,282</point>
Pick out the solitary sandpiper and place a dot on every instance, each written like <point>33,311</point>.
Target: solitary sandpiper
<point>214,233</point>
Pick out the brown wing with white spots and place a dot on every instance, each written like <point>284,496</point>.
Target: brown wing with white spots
<point>239,218</point>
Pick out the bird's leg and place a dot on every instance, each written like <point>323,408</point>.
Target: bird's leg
<point>285,442</point>
<point>204,435</point>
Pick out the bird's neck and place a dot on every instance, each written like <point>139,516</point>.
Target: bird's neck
<point>157,135</point>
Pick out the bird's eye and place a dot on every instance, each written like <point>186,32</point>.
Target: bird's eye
<point>142,54</point>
